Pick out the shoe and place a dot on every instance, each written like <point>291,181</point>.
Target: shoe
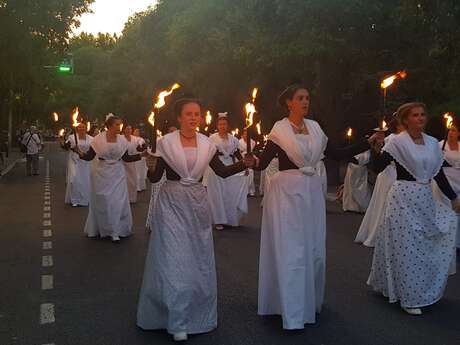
<point>252,194</point>
<point>219,227</point>
<point>74,205</point>
<point>115,239</point>
<point>180,336</point>
<point>412,311</point>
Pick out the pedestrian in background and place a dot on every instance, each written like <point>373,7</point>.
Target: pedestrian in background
<point>32,145</point>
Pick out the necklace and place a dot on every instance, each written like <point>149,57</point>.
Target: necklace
<point>186,137</point>
<point>298,129</point>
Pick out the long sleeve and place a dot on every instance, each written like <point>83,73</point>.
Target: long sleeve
<point>270,151</point>
<point>131,158</point>
<point>223,170</point>
<point>335,153</point>
<point>379,161</point>
<point>155,176</point>
<point>89,155</point>
<point>444,185</point>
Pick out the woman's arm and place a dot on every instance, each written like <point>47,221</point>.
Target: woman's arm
<point>379,161</point>
<point>270,151</point>
<point>223,170</point>
<point>89,155</point>
<point>348,152</point>
<point>131,158</point>
<point>444,185</point>
<point>156,166</point>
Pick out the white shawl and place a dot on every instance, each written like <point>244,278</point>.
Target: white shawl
<point>109,151</point>
<point>283,135</point>
<point>170,149</point>
<point>423,162</point>
<point>226,150</point>
<point>452,157</point>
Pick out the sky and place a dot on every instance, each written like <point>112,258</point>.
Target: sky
<point>111,15</point>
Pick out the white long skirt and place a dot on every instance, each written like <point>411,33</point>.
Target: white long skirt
<point>179,289</point>
<point>131,180</point>
<point>228,198</point>
<point>109,209</point>
<point>293,249</point>
<point>78,188</point>
<point>266,176</point>
<point>415,247</point>
<point>251,183</point>
<point>374,213</point>
<point>153,197</point>
<point>141,171</point>
<point>356,190</point>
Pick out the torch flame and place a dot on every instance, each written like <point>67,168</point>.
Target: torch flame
<point>254,94</point>
<point>449,120</point>
<point>390,80</point>
<point>75,114</point>
<point>384,124</point>
<point>208,118</point>
<point>88,126</point>
<point>197,129</point>
<point>251,108</point>
<point>259,130</point>
<point>56,117</point>
<point>61,132</point>
<point>159,134</point>
<point>349,132</point>
<point>206,128</point>
<point>163,94</point>
<point>151,119</point>
<point>266,137</point>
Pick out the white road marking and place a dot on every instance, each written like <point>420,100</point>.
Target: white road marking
<point>47,202</point>
<point>47,313</point>
<point>47,223</point>
<point>47,197</point>
<point>46,208</point>
<point>47,245</point>
<point>47,233</point>
<point>47,282</point>
<point>47,261</point>
<point>47,193</point>
<point>46,215</point>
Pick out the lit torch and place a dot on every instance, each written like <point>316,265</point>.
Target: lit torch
<point>62,132</point>
<point>55,117</point>
<point>250,109</point>
<point>349,134</point>
<point>208,121</point>
<point>387,82</point>
<point>157,106</point>
<point>88,126</point>
<point>75,123</point>
<point>449,123</point>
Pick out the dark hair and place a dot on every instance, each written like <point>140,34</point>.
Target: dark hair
<point>393,125</point>
<point>289,92</point>
<point>180,103</point>
<point>111,120</point>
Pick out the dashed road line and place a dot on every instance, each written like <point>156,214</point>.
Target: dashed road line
<point>47,261</point>
<point>47,245</point>
<point>47,282</point>
<point>47,313</point>
<point>47,233</point>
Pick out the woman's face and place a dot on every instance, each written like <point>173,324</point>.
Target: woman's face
<point>245,135</point>
<point>453,134</point>
<point>190,117</point>
<point>81,129</point>
<point>127,130</point>
<point>416,120</point>
<point>222,126</point>
<point>115,127</point>
<point>300,102</point>
<point>136,132</point>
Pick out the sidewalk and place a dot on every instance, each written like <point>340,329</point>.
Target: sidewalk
<point>15,156</point>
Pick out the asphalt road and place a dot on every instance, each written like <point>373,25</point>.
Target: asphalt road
<point>84,291</point>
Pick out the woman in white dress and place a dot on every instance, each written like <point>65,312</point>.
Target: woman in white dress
<point>179,291</point>
<point>78,188</point>
<point>109,211</point>
<point>130,167</point>
<point>243,147</point>
<point>228,197</point>
<point>415,246</point>
<point>451,150</point>
<point>141,166</point>
<point>357,191</point>
<point>374,214</point>
<point>293,237</point>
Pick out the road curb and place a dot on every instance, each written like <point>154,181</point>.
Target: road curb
<point>10,167</point>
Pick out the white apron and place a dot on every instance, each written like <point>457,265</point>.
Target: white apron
<point>293,237</point>
<point>131,171</point>
<point>414,248</point>
<point>227,197</point>
<point>78,186</point>
<point>179,290</point>
<point>356,190</point>
<point>374,214</point>
<point>109,211</point>
<point>453,175</point>
<point>243,146</point>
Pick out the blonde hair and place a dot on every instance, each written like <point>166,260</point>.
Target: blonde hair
<point>404,110</point>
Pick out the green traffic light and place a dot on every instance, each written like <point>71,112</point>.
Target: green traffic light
<point>65,68</point>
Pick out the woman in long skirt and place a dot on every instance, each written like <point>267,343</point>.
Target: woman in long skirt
<point>451,150</point>
<point>293,239</point>
<point>179,287</point>
<point>357,191</point>
<point>130,167</point>
<point>374,214</point>
<point>415,246</point>
<point>78,186</point>
<point>243,147</point>
<point>109,211</point>
<point>228,197</point>
<point>141,166</point>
